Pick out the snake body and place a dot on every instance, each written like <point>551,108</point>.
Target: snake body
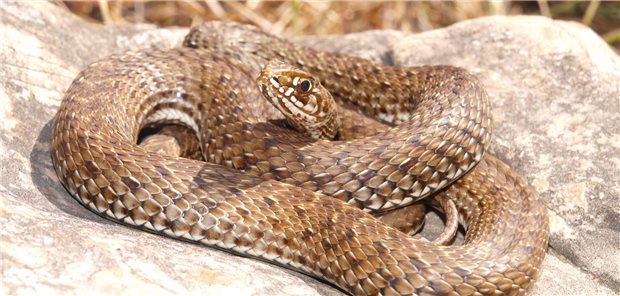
<point>264,190</point>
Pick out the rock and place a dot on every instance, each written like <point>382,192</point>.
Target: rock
<point>554,87</point>
<point>50,243</point>
<point>555,91</point>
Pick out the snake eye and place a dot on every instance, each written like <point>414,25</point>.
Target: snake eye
<point>305,85</point>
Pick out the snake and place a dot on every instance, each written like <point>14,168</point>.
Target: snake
<point>295,199</point>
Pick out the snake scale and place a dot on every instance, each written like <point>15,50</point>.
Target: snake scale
<point>264,190</point>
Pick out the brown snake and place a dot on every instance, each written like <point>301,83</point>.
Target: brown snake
<point>276,209</point>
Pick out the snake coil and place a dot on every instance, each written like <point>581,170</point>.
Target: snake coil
<point>277,208</point>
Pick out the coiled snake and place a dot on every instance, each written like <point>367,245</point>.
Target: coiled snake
<point>263,191</point>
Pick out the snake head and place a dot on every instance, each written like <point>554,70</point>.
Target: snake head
<point>301,98</point>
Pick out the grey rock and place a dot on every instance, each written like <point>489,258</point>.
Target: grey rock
<point>51,245</point>
<point>555,91</point>
<point>554,86</point>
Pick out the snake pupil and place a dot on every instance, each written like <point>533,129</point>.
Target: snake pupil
<point>305,85</point>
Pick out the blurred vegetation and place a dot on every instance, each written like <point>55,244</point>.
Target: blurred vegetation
<point>339,17</point>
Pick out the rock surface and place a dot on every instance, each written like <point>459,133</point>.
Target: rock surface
<point>555,91</point>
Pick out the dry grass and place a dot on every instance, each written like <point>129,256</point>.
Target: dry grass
<point>338,17</point>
